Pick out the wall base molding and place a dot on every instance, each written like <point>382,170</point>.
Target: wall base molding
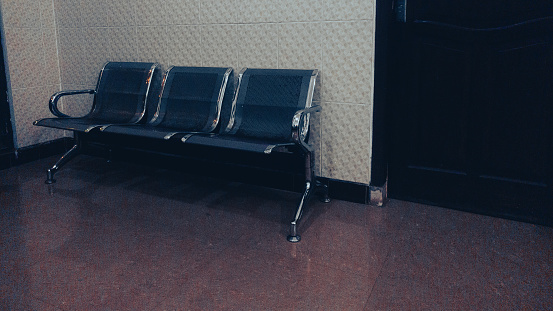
<point>35,152</point>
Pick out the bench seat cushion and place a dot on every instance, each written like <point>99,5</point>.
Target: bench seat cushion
<point>71,124</point>
<point>149,131</point>
<point>236,143</point>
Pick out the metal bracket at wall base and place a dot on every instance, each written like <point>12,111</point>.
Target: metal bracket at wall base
<point>322,190</point>
<point>378,195</point>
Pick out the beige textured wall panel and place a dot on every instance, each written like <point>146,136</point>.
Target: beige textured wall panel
<point>182,12</point>
<point>258,11</point>
<point>123,44</point>
<point>149,12</point>
<point>300,47</point>
<point>32,104</point>
<point>32,66</point>
<point>120,13</point>
<point>151,44</point>
<point>71,55</point>
<point>25,64</point>
<point>301,11</point>
<point>93,14</point>
<point>96,43</point>
<point>184,45</point>
<point>68,13</point>
<point>343,10</point>
<point>348,61</point>
<point>257,45</point>
<point>47,17</point>
<point>219,12</point>
<point>219,45</point>
<point>346,142</point>
<point>51,74</point>
<point>21,13</point>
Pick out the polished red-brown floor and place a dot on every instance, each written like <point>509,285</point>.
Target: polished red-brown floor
<point>123,237</point>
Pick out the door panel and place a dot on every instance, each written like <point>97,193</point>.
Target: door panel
<point>471,124</point>
<point>517,130</point>
<point>440,119</point>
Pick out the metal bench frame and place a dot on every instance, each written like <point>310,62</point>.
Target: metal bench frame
<point>146,75</point>
<point>224,130</point>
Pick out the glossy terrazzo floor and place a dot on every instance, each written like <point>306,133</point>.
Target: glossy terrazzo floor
<point>116,236</point>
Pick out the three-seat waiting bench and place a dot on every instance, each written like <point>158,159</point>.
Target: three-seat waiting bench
<point>267,112</point>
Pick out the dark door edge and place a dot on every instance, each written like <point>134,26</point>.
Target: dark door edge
<point>380,153</point>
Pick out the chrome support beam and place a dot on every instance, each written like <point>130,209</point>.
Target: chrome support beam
<point>73,152</point>
<point>294,236</point>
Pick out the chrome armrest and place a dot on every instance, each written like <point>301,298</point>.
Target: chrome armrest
<point>53,105</point>
<point>300,126</point>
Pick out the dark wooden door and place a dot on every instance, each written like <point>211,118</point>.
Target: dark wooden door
<point>471,118</point>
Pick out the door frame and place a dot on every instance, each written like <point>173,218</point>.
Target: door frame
<point>5,111</point>
<point>381,114</point>
<point>388,38</point>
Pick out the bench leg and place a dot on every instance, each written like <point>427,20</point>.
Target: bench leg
<point>309,186</point>
<point>73,152</point>
<point>294,236</point>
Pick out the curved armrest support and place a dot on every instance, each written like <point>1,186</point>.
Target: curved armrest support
<point>53,105</point>
<point>299,126</point>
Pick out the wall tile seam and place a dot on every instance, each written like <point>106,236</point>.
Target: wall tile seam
<point>350,182</point>
<point>199,12</point>
<point>348,20</point>
<point>278,45</point>
<point>27,28</point>
<point>199,17</point>
<point>45,56</point>
<point>242,23</point>
<point>207,24</point>
<point>31,88</point>
<point>368,104</point>
<point>290,22</point>
<point>41,16</point>
<point>84,86</point>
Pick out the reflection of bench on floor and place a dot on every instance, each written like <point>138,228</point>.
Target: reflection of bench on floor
<point>268,113</point>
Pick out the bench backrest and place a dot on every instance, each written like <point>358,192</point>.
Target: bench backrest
<point>267,100</point>
<point>192,98</point>
<point>122,92</point>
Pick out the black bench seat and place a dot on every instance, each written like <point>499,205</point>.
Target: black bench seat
<point>121,97</point>
<point>268,112</point>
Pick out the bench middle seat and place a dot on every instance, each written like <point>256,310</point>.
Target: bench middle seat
<point>191,101</point>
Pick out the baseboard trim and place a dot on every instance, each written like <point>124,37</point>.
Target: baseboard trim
<point>7,159</point>
<point>34,152</point>
<point>346,190</point>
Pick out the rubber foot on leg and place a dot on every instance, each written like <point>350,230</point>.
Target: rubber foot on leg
<point>294,238</point>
